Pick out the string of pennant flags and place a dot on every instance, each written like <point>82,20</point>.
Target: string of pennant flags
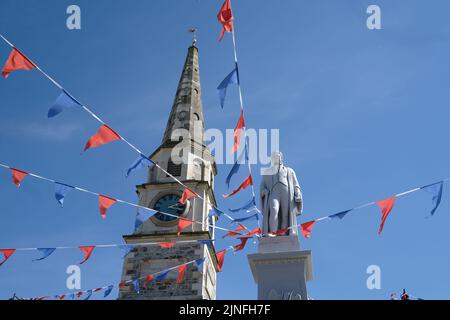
<point>105,202</point>
<point>105,134</point>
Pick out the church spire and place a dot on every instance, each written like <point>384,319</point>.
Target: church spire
<point>187,109</point>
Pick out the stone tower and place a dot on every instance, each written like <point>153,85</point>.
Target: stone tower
<point>185,128</point>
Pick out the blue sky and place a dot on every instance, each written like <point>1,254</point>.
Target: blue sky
<point>362,115</point>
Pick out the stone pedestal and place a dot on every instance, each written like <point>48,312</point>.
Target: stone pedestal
<point>281,269</point>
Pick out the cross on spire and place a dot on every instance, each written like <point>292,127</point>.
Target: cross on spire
<point>194,35</point>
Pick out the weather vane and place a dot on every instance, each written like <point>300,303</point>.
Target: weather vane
<point>194,35</point>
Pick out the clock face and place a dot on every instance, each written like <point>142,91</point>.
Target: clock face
<point>169,204</point>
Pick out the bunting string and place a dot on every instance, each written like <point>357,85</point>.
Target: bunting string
<point>96,117</point>
<point>19,175</point>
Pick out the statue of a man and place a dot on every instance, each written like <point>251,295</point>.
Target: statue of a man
<point>281,198</point>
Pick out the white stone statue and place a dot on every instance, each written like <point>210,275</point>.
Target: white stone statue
<point>281,198</point>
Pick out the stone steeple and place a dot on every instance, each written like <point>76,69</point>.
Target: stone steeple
<point>187,110</point>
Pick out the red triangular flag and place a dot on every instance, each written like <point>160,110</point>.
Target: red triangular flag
<point>122,284</point>
<point>167,245</point>
<point>247,182</point>
<point>225,17</point>
<point>220,258</point>
<point>79,294</point>
<point>187,194</point>
<point>254,231</point>
<point>7,253</point>
<point>241,246</point>
<point>105,203</point>
<point>181,271</point>
<point>98,289</point>
<point>61,297</point>
<point>16,61</point>
<point>237,132</point>
<point>386,206</point>
<point>103,136</point>
<point>306,228</point>
<point>241,227</point>
<point>231,233</point>
<point>87,252</point>
<point>148,279</point>
<point>183,224</point>
<point>280,232</point>
<point>18,176</point>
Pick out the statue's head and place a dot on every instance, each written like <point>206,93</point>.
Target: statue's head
<point>277,159</point>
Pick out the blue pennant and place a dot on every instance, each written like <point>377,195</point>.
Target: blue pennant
<point>89,294</point>
<point>142,216</point>
<point>340,215</point>
<point>162,275</point>
<point>45,252</point>
<point>248,206</point>
<point>136,286</point>
<point>61,190</point>
<point>141,162</point>
<point>215,212</point>
<point>64,101</point>
<point>108,291</point>
<point>234,170</point>
<point>232,78</point>
<point>435,190</point>
<point>199,262</point>
<point>207,242</point>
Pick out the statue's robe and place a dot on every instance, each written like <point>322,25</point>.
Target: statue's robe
<point>294,200</point>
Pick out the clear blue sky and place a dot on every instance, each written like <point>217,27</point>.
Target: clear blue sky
<point>363,115</point>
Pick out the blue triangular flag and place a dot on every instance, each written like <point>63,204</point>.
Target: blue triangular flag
<point>248,206</point>
<point>89,295</point>
<point>64,101</point>
<point>229,79</point>
<point>436,191</point>
<point>162,275</point>
<point>108,291</point>
<point>126,248</point>
<point>45,252</point>
<point>136,286</point>
<point>252,217</point>
<point>61,190</point>
<point>199,262</point>
<point>215,212</point>
<point>207,242</point>
<point>141,162</point>
<point>142,216</point>
<point>72,296</point>
<point>234,170</point>
<point>340,215</point>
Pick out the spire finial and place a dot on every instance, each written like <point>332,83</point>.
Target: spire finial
<point>194,35</point>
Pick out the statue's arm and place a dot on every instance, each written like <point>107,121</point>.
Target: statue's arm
<point>263,193</point>
<point>298,195</point>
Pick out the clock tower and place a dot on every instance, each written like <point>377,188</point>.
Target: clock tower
<point>184,155</point>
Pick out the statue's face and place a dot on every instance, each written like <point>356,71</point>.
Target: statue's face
<point>276,159</point>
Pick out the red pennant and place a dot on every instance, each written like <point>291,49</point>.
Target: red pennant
<point>231,233</point>
<point>18,176</point>
<point>247,182</point>
<point>148,279</point>
<point>225,17</point>
<point>254,231</point>
<point>241,246</point>
<point>79,294</point>
<point>98,289</point>
<point>238,132</point>
<point>306,228</point>
<point>122,284</point>
<point>16,61</point>
<point>280,232</point>
<point>105,203</point>
<point>61,297</point>
<point>87,252</point>
<point>167,245</point>
<point>187,194</point>
<point>183,224</point>
<point>386,206</point>
<point>181,271</point>
<point>241,227</point>
<point>7,253</point>
<point>103,136</point>
<point>220,258</point>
